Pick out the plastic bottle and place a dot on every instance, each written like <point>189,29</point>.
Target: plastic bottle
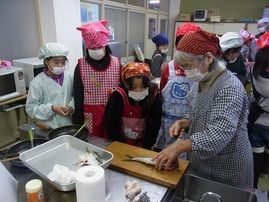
<point>111,30</point>
<point>34,190</point>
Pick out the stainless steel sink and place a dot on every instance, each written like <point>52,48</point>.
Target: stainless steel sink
<point>191,188</point>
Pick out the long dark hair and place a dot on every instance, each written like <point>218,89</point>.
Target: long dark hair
<point>261,61</point>
<point>148,101</point>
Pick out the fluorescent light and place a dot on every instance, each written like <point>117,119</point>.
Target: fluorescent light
<point>154,1</point>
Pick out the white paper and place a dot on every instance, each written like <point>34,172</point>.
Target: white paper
<point>90,184</point>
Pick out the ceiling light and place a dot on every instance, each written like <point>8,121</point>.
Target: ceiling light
<point>154,1</point>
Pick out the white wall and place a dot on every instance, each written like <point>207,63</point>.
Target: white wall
<point>58,20</point>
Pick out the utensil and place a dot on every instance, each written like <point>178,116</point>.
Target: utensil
<point>20,147</point>
<point>31,137</point>
<point>85,123</point>
<point>10,159</point>
<point>65,130</point>
<point>175,138</point>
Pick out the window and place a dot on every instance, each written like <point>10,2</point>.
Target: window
<point>136,31</point>
<point>120,32</point>
<point>140,3</point>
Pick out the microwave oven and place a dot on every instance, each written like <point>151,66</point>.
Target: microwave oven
<point>200,15</point>
<point>31,67</point>
<point>12,83</point>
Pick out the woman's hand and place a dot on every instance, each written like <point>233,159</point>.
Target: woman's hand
<point>178,127</point>
<point>167,156</point>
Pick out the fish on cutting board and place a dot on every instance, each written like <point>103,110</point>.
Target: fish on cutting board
<point>148,160</point>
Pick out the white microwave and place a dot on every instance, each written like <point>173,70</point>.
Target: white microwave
<point>200,15</point>
<point>31,67</point>
<point>12,83</point>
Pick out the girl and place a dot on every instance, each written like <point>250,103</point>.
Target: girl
<point>134,109</point>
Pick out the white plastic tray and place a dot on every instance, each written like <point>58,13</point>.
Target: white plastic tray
<point>64,151</point>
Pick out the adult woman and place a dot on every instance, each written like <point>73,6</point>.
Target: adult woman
<point>174,87</point>
<point>50,93</point>
<point>258,115</point>
<point>133,112</point>
<point>218,145</point>
<point>159,55</point>
<point>231,44</point>
<point>94,76</point>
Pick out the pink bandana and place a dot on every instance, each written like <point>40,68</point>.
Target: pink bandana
<point>95,34</point>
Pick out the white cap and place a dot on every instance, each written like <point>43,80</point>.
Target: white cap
<point>230,40</point>
<point>52,50</point>
<point>263,20</point>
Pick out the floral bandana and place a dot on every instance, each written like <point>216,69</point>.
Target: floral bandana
<point>135,69</point>
<point>186,28</point>
<point>94,34</point>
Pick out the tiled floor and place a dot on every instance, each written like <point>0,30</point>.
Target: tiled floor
<point>264,185</point>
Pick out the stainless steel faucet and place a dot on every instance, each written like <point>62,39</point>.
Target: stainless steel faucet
<point>212,195</point>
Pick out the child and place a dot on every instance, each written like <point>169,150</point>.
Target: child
<point>134,109</point>
<point>95,75</point>
<point>50,96</point>
<point>174,88</point>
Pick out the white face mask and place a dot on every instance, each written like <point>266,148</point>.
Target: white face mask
<point>194,74</point>
<point>58,70</point>
<point>96,54</point>
<point>164,51</point>
<point>261,29</point>
<point>137,96</point>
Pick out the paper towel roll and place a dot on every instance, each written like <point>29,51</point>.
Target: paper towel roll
<point>90,184</point>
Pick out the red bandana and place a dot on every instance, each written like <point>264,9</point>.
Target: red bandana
<point>186,28</point>
<point>199,43</point>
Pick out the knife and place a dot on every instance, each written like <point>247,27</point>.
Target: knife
<point>175,138</point>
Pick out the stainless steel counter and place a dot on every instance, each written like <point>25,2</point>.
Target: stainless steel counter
<point>114,183</point>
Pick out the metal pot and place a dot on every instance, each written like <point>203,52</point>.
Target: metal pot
<point>20,147</point>
<point>65,130</point>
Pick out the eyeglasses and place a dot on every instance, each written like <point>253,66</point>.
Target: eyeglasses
<point>186,66</point>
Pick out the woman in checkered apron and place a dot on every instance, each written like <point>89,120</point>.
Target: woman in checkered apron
<point>219,148</point>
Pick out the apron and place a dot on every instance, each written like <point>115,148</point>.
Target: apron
<point>133,124</point>
<point>175,104</point>
<point>97,84</point>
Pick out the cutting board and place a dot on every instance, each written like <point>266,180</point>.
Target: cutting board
<point>141,170</point>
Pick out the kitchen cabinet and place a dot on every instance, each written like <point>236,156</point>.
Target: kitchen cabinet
<point>220,28</point>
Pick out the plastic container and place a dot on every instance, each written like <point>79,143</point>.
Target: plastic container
<point>111,36</point>
<point>34,190</point>
<point>266,12</point>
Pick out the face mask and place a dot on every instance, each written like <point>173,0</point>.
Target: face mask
<point>261,29</point>
<point>137,96</point>
<point>164,51</point>
<point>195,74</point>
<point>96,54</point>
<point>58,70</point>
<point>232,61</point>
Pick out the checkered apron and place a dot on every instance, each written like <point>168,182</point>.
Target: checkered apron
<point>97,84</point>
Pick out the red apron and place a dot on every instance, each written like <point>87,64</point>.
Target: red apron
<point>133,124</point>
<point>97,84</point>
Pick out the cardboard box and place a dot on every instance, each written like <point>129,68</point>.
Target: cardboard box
<point>184,17</point>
